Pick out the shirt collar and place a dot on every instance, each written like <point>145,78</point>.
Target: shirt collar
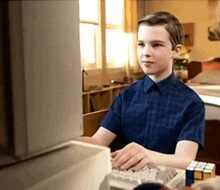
<point>164,86</point>
<point>148,83</point>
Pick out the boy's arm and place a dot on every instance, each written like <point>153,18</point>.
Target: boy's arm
<point>136,156</point>
<point>102,137</point>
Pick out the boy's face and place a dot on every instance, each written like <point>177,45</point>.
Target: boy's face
<point>155,54</point>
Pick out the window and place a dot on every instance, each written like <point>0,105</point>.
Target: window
<point>114,35</point>
<point>88,33</point>
<point>87,45</point>
<point>101,39</point>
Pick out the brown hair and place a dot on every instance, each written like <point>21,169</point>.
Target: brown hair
<point>171,23</point>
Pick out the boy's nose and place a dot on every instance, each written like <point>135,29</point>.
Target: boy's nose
<point>147,51</point>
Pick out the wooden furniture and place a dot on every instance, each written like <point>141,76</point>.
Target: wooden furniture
<point>95,105</point>
<point>91,122</point>
<point>196,67</point>
<point>96,100</point>
<point>211,151</point>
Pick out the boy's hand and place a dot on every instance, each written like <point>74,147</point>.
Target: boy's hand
<point>132,156</point>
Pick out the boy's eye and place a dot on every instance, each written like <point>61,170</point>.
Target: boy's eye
<point>157,45</point>
<point>141,44</point>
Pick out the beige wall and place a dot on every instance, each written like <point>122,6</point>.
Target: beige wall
<point>191,11</point>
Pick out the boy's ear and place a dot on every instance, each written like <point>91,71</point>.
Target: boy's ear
<point>177,50</point>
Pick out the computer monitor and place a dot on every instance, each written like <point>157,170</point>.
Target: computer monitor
<point>41,103</point>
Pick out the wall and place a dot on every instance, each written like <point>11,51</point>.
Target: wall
<point>191,11</point>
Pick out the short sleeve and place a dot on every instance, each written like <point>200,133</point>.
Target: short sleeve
<point>194,123</point>
<point>112,119</point>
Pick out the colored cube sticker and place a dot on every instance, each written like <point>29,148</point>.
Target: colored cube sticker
<point>197,171</point>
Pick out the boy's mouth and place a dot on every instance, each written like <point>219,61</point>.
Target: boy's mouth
<point>147,62</point>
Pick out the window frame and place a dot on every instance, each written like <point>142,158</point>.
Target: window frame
<point>100,42</point>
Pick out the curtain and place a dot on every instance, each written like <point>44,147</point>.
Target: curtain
<point>129,27</point>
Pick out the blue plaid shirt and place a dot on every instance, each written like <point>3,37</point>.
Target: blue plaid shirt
<point>157,115</point>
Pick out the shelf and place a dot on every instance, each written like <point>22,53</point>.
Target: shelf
<point>96,100</point>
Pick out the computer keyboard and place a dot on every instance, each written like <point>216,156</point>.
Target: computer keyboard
<point>129,179</point>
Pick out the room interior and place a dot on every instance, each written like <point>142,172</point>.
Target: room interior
<point>202,49</point>
<point>31,36</point>
<point>199,55</point>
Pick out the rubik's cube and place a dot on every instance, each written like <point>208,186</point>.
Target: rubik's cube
<point>198,171</point>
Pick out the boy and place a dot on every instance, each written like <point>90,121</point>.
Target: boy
<point>160,118</point>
